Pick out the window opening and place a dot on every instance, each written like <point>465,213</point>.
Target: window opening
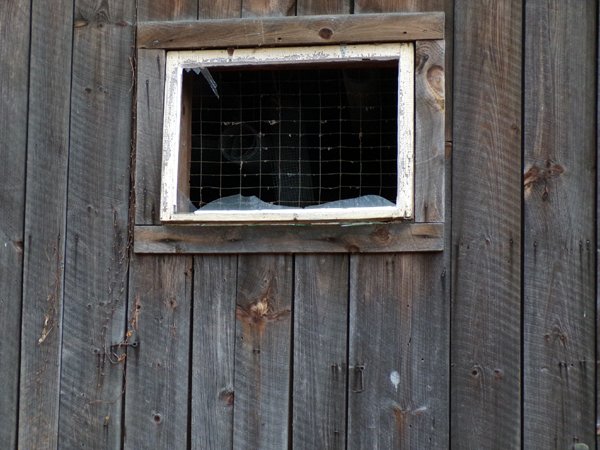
<point>297,138</point>
<point>322,133</point>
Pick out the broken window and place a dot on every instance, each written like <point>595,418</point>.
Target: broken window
<point>308,134</point>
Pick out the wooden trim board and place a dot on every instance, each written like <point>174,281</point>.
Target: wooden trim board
<point>363,238</point>
<point>286,31</point>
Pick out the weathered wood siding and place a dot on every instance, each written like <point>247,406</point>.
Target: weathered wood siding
<point>486,226</point>
<point>14,17</point>
<point>558,234</point>
<point>490,343</point>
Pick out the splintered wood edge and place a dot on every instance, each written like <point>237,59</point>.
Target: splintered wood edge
<point>363,238</point>
<point>286,31</point>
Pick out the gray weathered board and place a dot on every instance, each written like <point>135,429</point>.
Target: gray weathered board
<point>97,240</point>
<point>486,226</point>
<point>14,17</point>
<point>212,372</point>
<point>559,211</point>
<point>320,351</point>
<point>158,347</point>
<point>45,223</point>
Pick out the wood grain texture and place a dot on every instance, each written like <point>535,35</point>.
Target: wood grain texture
<point>430,154</point>
<point>383,6</point>
<point>282,31</point>
<point>96,259</point>
<point>559,191</point>
<point>219,9</point>
<point>400,237</point>
<point>185,150</point>
<point>167,9</point>
<point>397,386</point>
<point>320,358</point>
<point>14,73</point>
<point>158,338</point>
<point>261,8</point>
<point>486,226</point>
<point>45,216</point>
<point>262,352</point>
<point>213,395</point>
<point>314,7</point>
<point>149,135</point>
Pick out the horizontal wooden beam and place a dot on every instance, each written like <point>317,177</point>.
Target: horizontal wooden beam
<point>364,238</point>
<point>285,31</point>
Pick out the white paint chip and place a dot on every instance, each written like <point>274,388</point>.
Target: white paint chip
<point>395,379</point>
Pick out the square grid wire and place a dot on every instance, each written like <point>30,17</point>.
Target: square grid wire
<point>294,137</point>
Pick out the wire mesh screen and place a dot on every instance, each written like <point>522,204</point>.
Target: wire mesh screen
<point>299,137</point>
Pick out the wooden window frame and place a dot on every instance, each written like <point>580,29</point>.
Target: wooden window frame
<point>424,232</point>
<point>176,157</point>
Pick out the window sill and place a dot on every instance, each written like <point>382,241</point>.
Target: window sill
<point>338,238</point>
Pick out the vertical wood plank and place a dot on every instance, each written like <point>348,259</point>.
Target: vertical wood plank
<point>397,392</point>
<point>486,226</point>
<point>381,6</point>
<point>149,118</point>
<point>158,363</point>
<point>167,9</point>
<point>429,132</point>
<point>97,225</point>
<point>45,216</point>
<point>257,8</point>
<point>312,7</point>
<point>14,73</point>
<point>559,193</point>
<point>185,151</point>
<point>213,396</point>
<point>320,359</point>
<point>262,352</point>
<point>405,400</point>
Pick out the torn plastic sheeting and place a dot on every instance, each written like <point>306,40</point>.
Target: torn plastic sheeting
<point>241,202</point>
<point>364,201</point>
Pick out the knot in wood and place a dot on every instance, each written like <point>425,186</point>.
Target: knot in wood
<point>325,33</point>
<point>260,308</point>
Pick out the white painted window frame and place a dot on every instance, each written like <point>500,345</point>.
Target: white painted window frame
<point>177,61</point>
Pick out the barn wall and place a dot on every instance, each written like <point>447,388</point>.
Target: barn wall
<point>494,339</point>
